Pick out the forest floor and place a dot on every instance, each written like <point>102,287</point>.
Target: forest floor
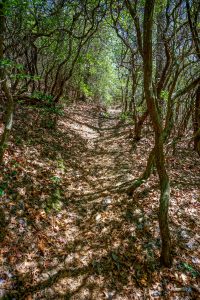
<point>71,233</point>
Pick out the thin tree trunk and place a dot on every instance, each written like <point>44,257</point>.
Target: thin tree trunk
<point>160,53</point>
<point>159,135</point>
<point>8,121</point>
<point>139,125</point>
<point>126,92</point>
<point>165,257</point>
<point>196,125</point>
<point>6,89</point>
<point>145,175</point>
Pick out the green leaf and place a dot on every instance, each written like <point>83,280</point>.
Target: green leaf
<point>1,192</point>
<point>190,269</point>
<point>55,179</point>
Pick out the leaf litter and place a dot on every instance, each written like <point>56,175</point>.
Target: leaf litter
<point>70,235</point>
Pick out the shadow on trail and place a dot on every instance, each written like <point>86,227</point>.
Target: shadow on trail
<point>112,267</point>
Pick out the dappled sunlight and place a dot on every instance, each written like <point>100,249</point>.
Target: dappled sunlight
<point>72,234</point>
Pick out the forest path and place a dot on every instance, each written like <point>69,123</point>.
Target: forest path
<point>71,234</point>
<point>108,158</point>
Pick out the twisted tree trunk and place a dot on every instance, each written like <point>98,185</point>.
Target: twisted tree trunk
<point>159,135</point>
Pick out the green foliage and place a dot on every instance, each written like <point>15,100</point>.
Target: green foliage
<point>55,179</point>
<point>18,140</point>
<point>5,63</point>
<point>106,114</point>
<point>42,96</point>
<point>54,202</point>
<point>85,89</point>
<point>186,267</point>
<point>9,63</point>
<point>48,109</point>
<point>1,192</point>
<point>126,116</point>
<point>140,109</point>
<point>97,75</point>
<point>160,5</point>
<point>164,95</point>
<point>60,164</point>
<point>16,70</point>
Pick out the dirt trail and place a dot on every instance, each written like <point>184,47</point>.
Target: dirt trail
<point>71,235</point>
<point>111,157</point>
<point>108,159</point>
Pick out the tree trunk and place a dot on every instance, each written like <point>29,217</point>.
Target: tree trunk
<point>126,95</point>
<point>196,125</point>
<point>8,121</point>
<point>165,257</point>
<point>6,89</point>
<point>145,175</point>
<point>139,125</point>
<point>160,52</point>
<point>159,135</point>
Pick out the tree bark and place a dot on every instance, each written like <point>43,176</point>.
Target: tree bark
<point>145,175</point>
<point>196,125</point>
<point>5,88</point>
<point>193,28</point>
<point>139,125</point>
<point>166,259</point>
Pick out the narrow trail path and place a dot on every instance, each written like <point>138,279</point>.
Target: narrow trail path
<point>108,159</point>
